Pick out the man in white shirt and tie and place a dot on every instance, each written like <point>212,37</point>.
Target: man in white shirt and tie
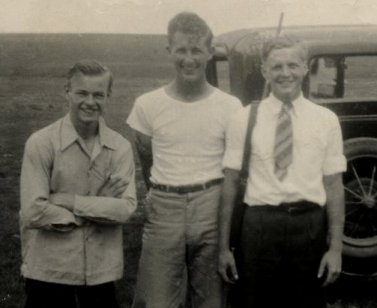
<point>291,235</point>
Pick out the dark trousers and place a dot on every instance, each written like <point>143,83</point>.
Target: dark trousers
<point>41,294</point>
<point>278,260</point>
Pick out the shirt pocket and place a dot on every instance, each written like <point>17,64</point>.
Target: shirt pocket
<point>310,148</point>
<point>262,148</point>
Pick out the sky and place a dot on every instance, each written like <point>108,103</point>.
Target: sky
<point>152,16</point>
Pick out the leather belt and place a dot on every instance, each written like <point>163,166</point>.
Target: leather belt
<point>184,189</point>
<point>293,208</point>
<point>299,207</point>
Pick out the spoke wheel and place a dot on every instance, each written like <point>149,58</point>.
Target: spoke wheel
<point>361,212</point>
<point>360,188</point>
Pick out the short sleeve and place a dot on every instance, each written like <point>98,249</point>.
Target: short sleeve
<point>139,119</point>
<point>235,140</point>
<point>335,161</point>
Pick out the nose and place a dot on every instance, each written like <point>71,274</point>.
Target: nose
<point>188,57</point>
<point>285,71</point>
<point>89,100</point>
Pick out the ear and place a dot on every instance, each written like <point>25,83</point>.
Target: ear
<point>168,49</point>
<point>264,71</point>
<point>211,50</point>
<point>66,90</point>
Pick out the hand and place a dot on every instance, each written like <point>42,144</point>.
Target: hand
<point>63,200</point>
<point>227,266</point>
<point>113,187</point>
<point>331,264</point>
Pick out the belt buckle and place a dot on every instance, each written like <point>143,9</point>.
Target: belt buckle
<point>180,190</point>
<point>292,210</point>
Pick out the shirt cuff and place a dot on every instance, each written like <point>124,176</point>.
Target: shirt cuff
<point>139,128</point>
<point>335,164</point>
<point>62,227</point>
<point>232,159</point>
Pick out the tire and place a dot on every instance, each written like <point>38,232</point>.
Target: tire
<point>360,183</point>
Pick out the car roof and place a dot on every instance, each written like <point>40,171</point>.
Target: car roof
<point>319,39</point>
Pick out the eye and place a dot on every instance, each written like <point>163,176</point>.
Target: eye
<point>276,68</point>
<point>197,51</point>
<point>81,93</point>
<point>180,51</point>
<point>99,95</point>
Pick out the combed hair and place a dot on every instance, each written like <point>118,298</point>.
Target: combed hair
<point>189,23</point>
<point>281,42</point>
<point>90,68</point>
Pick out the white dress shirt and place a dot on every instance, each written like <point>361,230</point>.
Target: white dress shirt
<point>317,152</point>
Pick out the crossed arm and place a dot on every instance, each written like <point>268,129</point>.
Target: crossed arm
<point>112,203</point>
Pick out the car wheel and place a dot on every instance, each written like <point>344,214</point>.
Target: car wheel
<point>360,184</point>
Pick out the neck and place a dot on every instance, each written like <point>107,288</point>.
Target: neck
<point>288,99</point>
<point>189,92</point>
<point>85,131</point>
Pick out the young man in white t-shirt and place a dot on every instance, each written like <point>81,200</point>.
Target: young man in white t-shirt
<point>180,136</point>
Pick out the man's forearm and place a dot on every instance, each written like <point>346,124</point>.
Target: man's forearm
<point>146,162</point>
<point>228,197</point>
<point>335,210</point>
<point>63,200</point>
<point>144,149</point>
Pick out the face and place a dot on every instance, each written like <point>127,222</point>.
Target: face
<point>285,70</point>
<point>87,97</point>
<point>190,54</point>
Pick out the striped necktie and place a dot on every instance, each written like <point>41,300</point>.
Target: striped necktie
<point>283,142</point>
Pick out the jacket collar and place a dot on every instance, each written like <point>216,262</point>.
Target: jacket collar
<point>68,134</point>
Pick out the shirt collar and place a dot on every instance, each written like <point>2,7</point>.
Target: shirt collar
<point>275,104</point>
<point>68,134</point>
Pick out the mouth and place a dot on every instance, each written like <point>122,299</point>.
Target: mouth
<point>88,112</point>
<point>286,83</point>
<point>188,69</point>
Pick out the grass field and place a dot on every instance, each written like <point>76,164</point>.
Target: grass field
<point>31,96</point>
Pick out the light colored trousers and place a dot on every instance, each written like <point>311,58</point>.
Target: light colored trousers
<point>179,253</point>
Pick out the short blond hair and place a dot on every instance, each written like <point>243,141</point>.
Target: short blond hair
<point>189,23</point>
<point>90,68</point>
<point>283,41</point>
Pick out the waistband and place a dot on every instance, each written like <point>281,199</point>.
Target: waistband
<point>184,189</point>
<point>293,208</point>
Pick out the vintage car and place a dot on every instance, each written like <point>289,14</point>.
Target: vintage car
<point>342,77</point>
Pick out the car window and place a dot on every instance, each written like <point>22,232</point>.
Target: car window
<point>347,77</point>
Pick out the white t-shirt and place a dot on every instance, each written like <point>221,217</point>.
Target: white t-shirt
<point>188,139</point>
<point>317,151</point>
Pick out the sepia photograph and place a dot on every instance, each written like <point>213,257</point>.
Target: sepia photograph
<point>188,154</point>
